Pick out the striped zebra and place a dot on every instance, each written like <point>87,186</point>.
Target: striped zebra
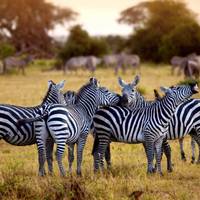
<point>136,100</point>
<point>23,135</point>
<point>147,125</point>
<point>71,124</point>
<point>183,123</point>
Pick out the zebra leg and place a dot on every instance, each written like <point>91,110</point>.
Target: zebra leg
<point>80,146</point>
<point>108,156</point>
<point>95,153</point>
<point>99,152</point>
<point>41,137</point>
<point>167,150</point>
<point>158,151</point>
<point>49,154</point>
<point>181,148</point>
<point>145,148</point>
<point>70,156</point>
<point>59,155</point>
<point>196,137</point>
<point>193,150</point>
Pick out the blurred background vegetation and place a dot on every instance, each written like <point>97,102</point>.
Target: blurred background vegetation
<point>161,29</point>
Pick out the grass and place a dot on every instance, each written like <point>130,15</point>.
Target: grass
<point>18,166</point>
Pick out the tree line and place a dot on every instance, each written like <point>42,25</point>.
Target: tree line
<point>161,29</point>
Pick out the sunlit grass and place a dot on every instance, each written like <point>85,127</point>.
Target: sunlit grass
<point>18,166</point>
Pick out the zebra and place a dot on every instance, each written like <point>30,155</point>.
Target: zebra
<point>147,125</point>
<point>71,124</point>
<point>180,126</point>
<point>24,135</point>
<point>136,100</point>
<point>14,61</point>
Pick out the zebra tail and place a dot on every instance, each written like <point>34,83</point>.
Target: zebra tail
<point>95,145</point>
<point>21,122</point>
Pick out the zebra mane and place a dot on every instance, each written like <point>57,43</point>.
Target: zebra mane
<point>47,94</point>
<point>82,90</point>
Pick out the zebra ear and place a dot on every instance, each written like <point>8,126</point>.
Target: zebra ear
<point>60,85</point>
<point>50,82</point>
<point>165,89</point>
<point>121,82</point>
<point>156,94</point>
<point>94,81</point>
<point>135,81</point>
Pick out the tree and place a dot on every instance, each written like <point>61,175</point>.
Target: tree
<point>157,27</point>
<point>25,23</point>
<point>6,50</point>
<point>80,43</point>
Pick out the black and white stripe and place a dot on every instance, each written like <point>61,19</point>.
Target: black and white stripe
<point>71,124</point>
<point>147,125</point>
<point>11,132</point>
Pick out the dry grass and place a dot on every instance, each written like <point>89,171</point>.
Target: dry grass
<point>18,166</point>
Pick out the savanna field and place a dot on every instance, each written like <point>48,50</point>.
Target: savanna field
<point>19,165</point>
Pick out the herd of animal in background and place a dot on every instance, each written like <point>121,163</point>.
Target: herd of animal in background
<point>189,65</point>
<point>68,119</point>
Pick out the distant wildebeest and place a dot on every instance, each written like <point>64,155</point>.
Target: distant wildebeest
<point>88,62</point>
<point>16,62</point>
<point>121,61</point>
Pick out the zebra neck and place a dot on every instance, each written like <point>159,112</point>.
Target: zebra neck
<point>89,107</point>
<point>52,96</point>
<point>140,103</point>
<point>166,109</point>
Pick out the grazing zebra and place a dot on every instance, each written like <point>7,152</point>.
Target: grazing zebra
<point>11,132</point>
<point>71,124</point>
<point>11,62</point>
<point>147,125</point>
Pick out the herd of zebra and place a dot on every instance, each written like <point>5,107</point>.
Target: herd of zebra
<point>68,118</point>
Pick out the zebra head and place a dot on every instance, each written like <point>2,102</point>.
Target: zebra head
<point>54,94</point>
<point>104,97</point>
<point>70,97</point>
<point>181,93</point>
<point>129,91</point>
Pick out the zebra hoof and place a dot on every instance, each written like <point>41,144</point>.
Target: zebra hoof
<point>193,161</point>
<point>198,162</point>
<point>79,174</point>
<point>151,171</point>
<point>183,159</point>
<point>42,173</point>
<point>170,170</point>
<point>161,174</point>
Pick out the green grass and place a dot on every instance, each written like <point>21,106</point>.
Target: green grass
<point>18,166</point>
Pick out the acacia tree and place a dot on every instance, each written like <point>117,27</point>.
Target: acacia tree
<point>158,27</point>
<point>25,23</point>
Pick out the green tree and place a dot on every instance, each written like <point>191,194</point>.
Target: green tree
<point>6,50</point>
<point>25,23</point>
<point>161,29</point>
<point>80,43</point>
